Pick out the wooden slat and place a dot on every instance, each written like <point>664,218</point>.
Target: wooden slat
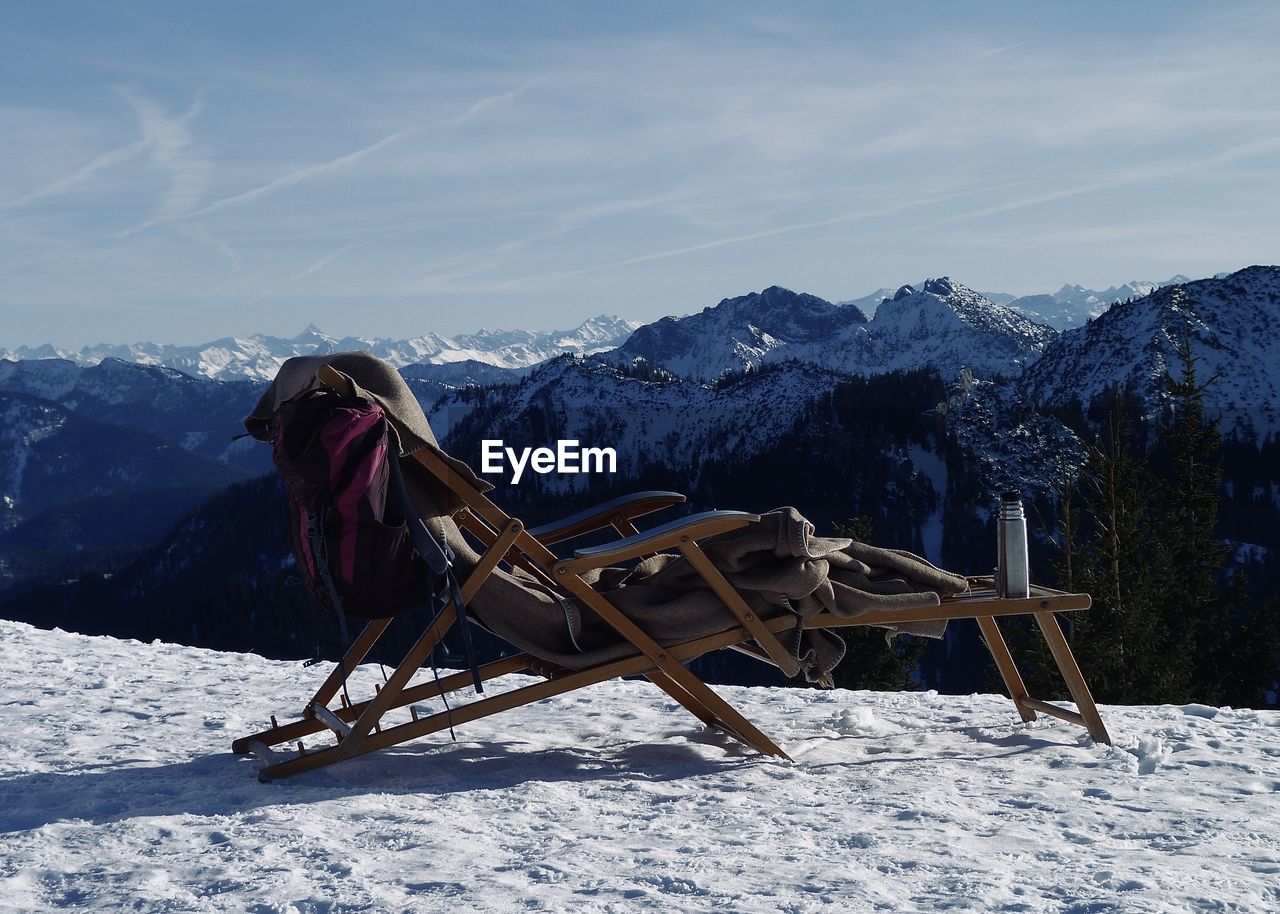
<point>966,608</point>
<point>656,539</point>
<point>625,508</point>
<point>424,691</point>
<point>486,535</point>
<point>461,714</point>
<point>1032,705</point>
<point>672,688</point>
<point>695,687</point>
<point>359,649</point>
<point>331,377</point>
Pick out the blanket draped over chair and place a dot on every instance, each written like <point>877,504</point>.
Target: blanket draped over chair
<point>777,564</point>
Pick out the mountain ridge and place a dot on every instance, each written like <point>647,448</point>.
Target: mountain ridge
<point>1232,323</point>
<point>943,325</point>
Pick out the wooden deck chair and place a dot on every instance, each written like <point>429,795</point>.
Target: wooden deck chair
<point>365,726</point>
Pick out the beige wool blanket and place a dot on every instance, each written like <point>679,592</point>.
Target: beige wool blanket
<point>778,564</point>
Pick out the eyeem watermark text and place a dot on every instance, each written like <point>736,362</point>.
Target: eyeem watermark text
<point>567,457</point>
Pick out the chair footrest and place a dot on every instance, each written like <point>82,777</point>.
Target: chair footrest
<point>335,723</point>
<point>264,753</point>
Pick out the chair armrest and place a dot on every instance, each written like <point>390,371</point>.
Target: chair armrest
<point>673,533</point>
<point>618,510</point>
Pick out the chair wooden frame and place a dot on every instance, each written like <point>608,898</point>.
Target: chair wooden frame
<point>362,727</point>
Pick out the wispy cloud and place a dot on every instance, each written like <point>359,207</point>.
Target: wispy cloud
<point>168,142</point>
<point>318,169</point>
<point>203,235</point>
<point>487,102</point>
<point>529,168</point>
<point>62,185</point>
<point>994,51</point>
<point>303,274</point>
<point>298,176</point>
<point>775,231</point>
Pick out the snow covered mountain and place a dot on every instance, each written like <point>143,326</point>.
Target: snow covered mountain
<point>1233,324</point>
<point>258,357</point>
<point>96,462</point>
<point>895,801</point>
<point>1074,305</point>
<point>1007,445</point>
<point>677,423</point>
<point>948,326</point>
<point>194,414</point>
<point>740,333</point>
<point>868,304</point>
<point>943,325</point>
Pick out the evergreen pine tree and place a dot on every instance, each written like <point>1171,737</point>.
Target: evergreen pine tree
<point>1169,624</point>
<point>1122,640</point>
<point>1198,616</point>
<point>1230,649</point>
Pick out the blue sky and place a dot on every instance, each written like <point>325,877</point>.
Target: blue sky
<point>180,172</point>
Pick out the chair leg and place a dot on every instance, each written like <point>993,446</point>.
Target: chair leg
<point>1072,676</point>
<point>386,698</point>
<point>1004,663</point>
<point>668,685</point>
<point>682,681</point>
<point>672,688</point>
<point>358,650</point>
<point>735,723</point>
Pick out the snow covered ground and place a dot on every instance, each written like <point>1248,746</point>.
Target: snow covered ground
<point>117,791</point>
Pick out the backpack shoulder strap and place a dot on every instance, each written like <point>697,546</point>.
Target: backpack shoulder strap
<point>439,558</point>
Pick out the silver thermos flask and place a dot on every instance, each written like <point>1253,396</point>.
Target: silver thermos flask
<point>1013,572</point>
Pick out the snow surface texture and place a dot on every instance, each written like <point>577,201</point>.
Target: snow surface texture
<point>119,793</point>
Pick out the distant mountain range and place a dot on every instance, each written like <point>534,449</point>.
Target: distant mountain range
<point>796,325</point>
<point>1073,306</point>
<point>259,357</point>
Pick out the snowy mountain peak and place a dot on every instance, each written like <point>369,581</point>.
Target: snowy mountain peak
<point>741,332</point>
<point>941,286</point>
<point>312,332</point>
<point>947,325</point>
